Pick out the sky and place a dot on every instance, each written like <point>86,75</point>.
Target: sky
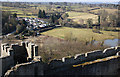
<point>62,0</point>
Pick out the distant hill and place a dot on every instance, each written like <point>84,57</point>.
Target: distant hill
<point>101,2</point>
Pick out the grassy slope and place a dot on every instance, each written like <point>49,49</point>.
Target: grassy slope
<point>81,34</point>
<point>110,11</point>
<point>76,16</point>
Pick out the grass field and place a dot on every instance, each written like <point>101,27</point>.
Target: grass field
<point>81,34</point>
<point>77,16</point>
<point>26,12</point>
<point>110,11</point>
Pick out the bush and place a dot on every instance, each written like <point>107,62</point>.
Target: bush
<point>69,36</point>
<point>19,28</point>
<point>96,30</point>
<point>53,50</point>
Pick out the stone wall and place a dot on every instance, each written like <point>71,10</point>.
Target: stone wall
<point>15,54</point>
<point>106,66</point>
<point>25,51</point>
<point>81,58</point>
<point>4,50</point>
<point>91,63</point>
<point>30,68</point>
<point>32,50</point>
<point>97,62</point>
<point>7,62</point>
<point>109,67</point>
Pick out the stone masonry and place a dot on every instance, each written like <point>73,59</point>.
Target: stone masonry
<point>96,62</point>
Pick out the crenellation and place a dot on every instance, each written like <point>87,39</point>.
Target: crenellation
<point>68,60</point>
<point>109,52</point>
<point>79,58</point>
<point>118,53</point>
<point>77,55</point>
<point>3,45</point>
<point>117,48</point>
<point>26,43</point>
<point>11,52</point>
<point>23,43</point>
<point>63,59</point>
<point>32,50</point>
<point>6,48</point>
<point>35,50</point>
<point>14,54</point>
<point>14,45</point>
<point>8,51</point>
<point>4,52</point>
<point>93,55</point>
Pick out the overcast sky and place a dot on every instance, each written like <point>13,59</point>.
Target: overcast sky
<point>62,0</point>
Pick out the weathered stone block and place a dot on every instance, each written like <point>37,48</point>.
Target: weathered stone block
<point>109,52</point>
<point>32,50</point>
<point>6,48</point>
<point>14,45</point>
<point>68,60</point>
<point>55,63</point>
<point>26,43</point>
<point>37,58</point>
<point>23,43</point>
<point>117,48</point>
<point>118,53</point>
<point>35,50</point>
<point>11,52</point>
<point>80,58</point>
<point>93,55</point>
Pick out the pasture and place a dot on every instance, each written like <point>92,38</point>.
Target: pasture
<point>21,12</point>
<point>78,16</point>
<point>81,34</point>
<point>110,11</point>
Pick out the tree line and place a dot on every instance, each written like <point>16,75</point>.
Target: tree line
<point>104,21</point>
<point>8,22</point>
<point>41,14</point>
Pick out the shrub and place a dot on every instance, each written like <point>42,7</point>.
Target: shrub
<point>70,37</point>
<point>96,30</point>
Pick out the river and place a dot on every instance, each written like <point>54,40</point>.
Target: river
<point>110,42</point>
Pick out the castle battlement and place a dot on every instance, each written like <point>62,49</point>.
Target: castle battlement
<point>30,48</point>
<point>15,54</point>
<point>25,56</point>
<point>89,56</point>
